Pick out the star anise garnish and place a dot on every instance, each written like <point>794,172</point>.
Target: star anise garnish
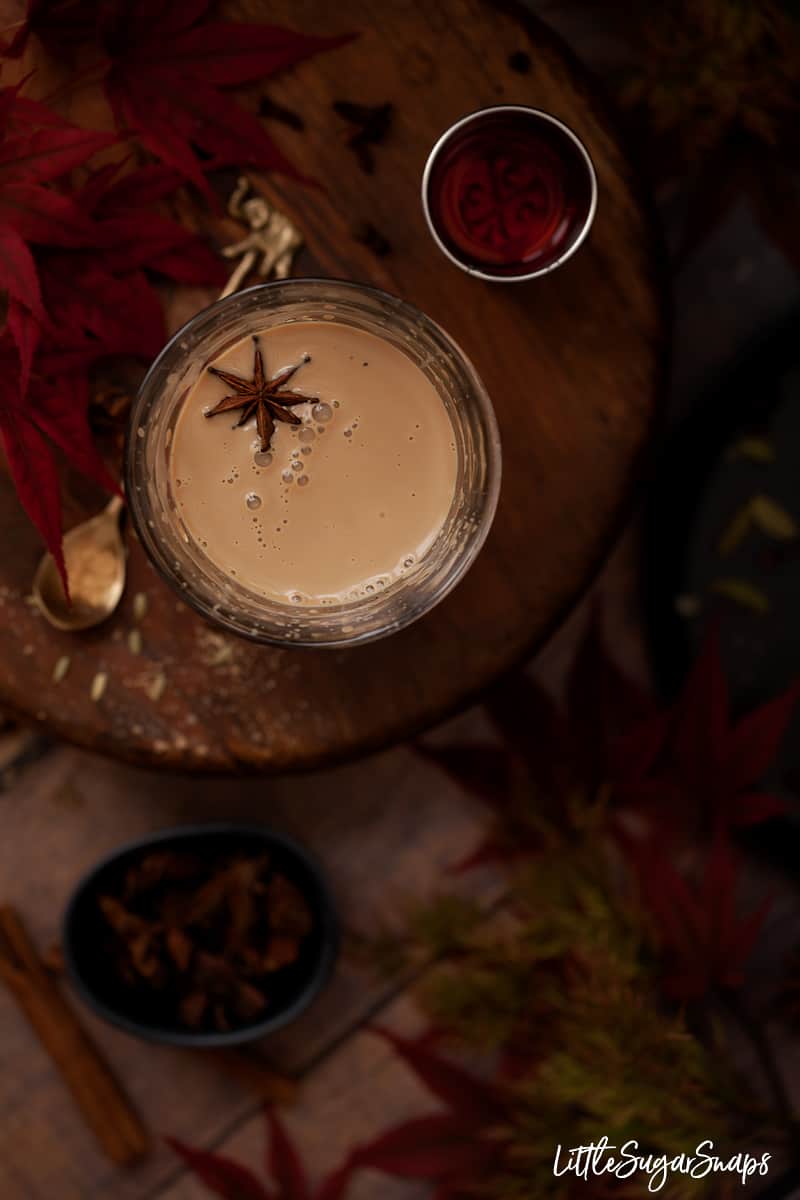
<point>264,397</point>
<point>203,940</point>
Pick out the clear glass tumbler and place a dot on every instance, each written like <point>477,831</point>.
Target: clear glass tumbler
<point>182,562</point>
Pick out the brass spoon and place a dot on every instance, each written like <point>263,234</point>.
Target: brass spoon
<point>95,558</point>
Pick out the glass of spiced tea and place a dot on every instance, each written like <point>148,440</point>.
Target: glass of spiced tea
<point>312,462</point>
<point>509,193</point>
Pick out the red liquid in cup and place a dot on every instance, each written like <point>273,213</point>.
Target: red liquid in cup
<point>509,193</point>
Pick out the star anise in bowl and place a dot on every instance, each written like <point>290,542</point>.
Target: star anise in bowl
<point>211,935</point>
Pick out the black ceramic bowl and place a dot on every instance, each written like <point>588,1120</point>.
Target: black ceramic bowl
<point>84,933</point>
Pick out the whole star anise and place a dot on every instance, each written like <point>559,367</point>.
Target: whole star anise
<point>262,396</point>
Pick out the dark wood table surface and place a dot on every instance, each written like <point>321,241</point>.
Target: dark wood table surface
<point>574,364</point>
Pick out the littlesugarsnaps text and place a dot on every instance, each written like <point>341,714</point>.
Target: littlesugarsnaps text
<point>603,1158</point>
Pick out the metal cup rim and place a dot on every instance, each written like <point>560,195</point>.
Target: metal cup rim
<point>468,119</point>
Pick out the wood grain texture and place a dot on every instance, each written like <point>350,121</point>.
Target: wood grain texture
<point>574,364</point>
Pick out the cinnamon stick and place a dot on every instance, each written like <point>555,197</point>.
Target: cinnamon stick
<point>97,1093</point>
<point>19,943</point>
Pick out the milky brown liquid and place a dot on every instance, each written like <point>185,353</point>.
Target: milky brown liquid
<point>344,503</point>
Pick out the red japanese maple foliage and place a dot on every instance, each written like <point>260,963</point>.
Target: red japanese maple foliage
<point>133,238</point>
<point>454,1148</point>
<point>706,769</point>
<point>33,153</point>
<point>704,939</point>
<point>688,767</point>
<point>166,69</point>
<point>545,752</point>
<point>75,294</point>
<point>76,261</point>
<point>228,1179</point>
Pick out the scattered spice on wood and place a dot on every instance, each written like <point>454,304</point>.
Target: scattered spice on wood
<point>520,62</point>
<point>367,234</point>
<point>139,606</point>
<point>372,124</point>
<point>279,112</point>
<point>135,641</point>
<point>104,1105</point>
<point>223,654</point>
<point>264,397</point>
<point>155,689</point>
<point>98,687</point>
<point>203,942</point>
<point>742,592</point>
<point>61,669</point>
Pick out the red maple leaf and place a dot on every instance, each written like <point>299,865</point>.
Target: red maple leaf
<point>111,309</point>
<point>36,148</point>
<point>73,262</point>
<point>169,68</point>
<point>98,315</point>
<point>25,329</point>
<point>457,1148</point>
<point>131,237</point>
<point>704,940</point>
<point>34,151</point>
<point>54,414</point>
<point>228,1179</point>
<point>707,768</point>
<point>165,68</point>
<point>545,751</point>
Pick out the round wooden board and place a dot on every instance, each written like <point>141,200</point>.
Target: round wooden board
<point>574,364</point>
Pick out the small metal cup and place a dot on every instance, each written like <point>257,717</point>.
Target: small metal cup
<point>577,236</point>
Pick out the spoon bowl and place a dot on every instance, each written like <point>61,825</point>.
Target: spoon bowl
<point>95,557</point>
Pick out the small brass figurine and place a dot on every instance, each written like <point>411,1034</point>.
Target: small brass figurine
<point>272,236</point>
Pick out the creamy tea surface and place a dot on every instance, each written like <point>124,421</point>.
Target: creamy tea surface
<point>341,504</point>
